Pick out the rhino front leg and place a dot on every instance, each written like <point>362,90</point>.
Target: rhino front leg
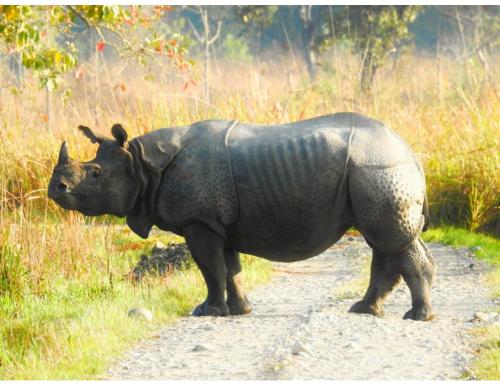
<point>236,298</point>
<point>207,249</point>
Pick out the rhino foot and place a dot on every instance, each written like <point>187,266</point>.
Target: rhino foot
<point>363,307</point>
<point>419,314</point>
<point>205,309</point>
<point>239,306</point>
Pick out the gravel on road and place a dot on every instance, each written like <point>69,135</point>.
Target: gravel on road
<point>300,328</point>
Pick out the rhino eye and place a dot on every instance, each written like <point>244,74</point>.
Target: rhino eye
<point>95,172</point>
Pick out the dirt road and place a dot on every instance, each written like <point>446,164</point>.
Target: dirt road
<point>300,328</point>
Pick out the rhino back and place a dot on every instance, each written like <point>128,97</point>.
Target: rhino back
<point>286,180</point>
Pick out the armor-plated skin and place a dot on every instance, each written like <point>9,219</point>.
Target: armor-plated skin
<point>291,175</point>
<point>284,192</point>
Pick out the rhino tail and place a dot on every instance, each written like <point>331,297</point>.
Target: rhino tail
<point>425,213</point>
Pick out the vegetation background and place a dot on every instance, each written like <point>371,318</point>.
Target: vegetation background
<point>427,71</point>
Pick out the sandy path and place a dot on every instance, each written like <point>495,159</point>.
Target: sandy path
<point>301,305</point>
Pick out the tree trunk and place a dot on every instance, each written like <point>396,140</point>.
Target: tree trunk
<point>16,68</point>
<point>478,38</point>
<point>310,17</point>
<point>48,107</point>
<point>207,72</point>
<point>309,55</point>
<point>96,87</point>
<point>206,39</point>
<point>464,46</point>
<point>367,72</point>
<point>206,28</point>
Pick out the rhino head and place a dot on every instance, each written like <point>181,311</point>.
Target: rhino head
<point>121,180</point>
<point>106,184</point>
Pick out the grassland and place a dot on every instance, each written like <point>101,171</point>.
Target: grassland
<point>62,276</point>
<point>485,247</point>
<point>74,329</point>
<point>487,363</point>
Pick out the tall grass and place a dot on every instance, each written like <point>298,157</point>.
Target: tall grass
<point>76,328</point>
<point>454,128</point>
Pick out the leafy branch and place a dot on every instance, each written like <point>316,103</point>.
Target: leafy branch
<point>26,31</point>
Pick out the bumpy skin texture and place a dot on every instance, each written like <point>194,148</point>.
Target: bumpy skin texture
<point>286,193</point>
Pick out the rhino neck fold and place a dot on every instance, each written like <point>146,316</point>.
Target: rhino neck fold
<point>152,154</point>
<point>141,217</point>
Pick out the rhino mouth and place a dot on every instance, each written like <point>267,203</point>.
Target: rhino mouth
<point>66,200</point>
<point>76,202</point>
<point>77,194</point>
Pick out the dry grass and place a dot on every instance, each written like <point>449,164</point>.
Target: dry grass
<point>452,126</point>
<point>487,364</point>
<point>454,129</point>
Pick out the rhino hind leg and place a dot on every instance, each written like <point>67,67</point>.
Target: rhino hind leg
<point>207,249</point>
<point>416,265</point>
<point>384,276</point>
<point>236,299</point>
<point>418,269</point>
<point>388,210</point>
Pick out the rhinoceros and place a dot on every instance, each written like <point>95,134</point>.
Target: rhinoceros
<point>281,192</point>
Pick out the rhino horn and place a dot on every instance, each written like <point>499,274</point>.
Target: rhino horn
<point>63,154</point>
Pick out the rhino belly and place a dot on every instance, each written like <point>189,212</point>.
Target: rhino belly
<point>291,206</point>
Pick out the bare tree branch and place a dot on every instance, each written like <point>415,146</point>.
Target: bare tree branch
<point>193,8</point>
<point>79,15</point>
<point>481,46</point>
<point>217,33</point>
<point>198,36</point>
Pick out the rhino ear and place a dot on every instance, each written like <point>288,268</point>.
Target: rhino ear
<point>91,135</point>
<point>119,134</point>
